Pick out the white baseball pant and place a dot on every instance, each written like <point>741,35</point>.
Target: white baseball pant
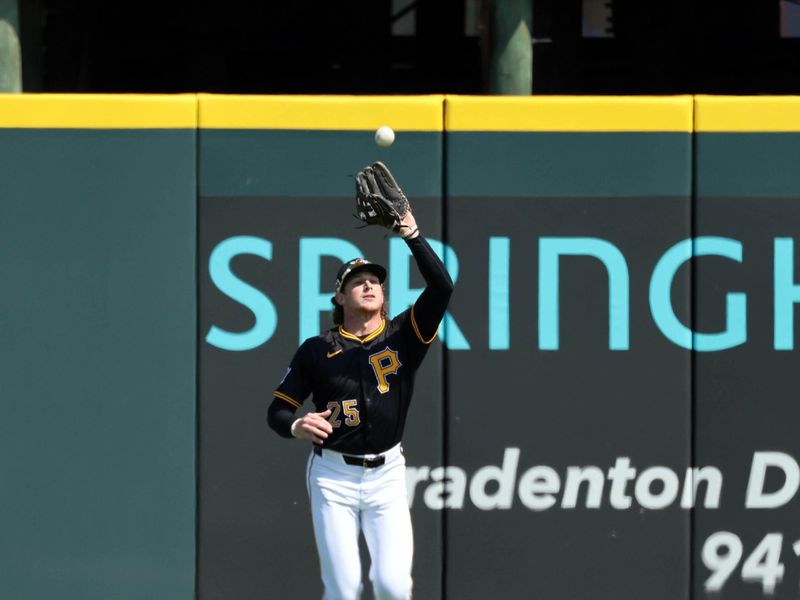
<point>346,499</point>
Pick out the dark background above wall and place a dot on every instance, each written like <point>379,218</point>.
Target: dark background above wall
<point>405,47</point>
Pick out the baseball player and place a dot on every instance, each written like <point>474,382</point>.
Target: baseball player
<point>360,376</point>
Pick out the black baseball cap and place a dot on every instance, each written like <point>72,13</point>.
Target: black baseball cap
<point>358,264</point>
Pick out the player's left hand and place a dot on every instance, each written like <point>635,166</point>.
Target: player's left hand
<point>408,228</point>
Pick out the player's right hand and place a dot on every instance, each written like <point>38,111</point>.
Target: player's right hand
<point>314,427</point>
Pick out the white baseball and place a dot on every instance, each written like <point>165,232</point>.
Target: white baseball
<point>384,136</point>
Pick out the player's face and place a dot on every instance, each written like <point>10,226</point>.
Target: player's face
<point>362,293</point>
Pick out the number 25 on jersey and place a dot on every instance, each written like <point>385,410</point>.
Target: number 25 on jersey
<point>347,413</point>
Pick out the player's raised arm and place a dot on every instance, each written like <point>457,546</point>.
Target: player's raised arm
<point>429,309</point>
<point>380,201</point>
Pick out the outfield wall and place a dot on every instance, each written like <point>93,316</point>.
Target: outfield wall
<point>609,411</point>
<point>99,321</point>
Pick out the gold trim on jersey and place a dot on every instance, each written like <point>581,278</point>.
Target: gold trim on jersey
<point>369,338</point>
<point>416,329</point>
<point>286,398</point>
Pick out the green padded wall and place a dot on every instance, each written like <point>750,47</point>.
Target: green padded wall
<point>98,320</point>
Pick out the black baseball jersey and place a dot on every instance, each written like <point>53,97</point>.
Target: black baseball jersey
<point>367,383</point>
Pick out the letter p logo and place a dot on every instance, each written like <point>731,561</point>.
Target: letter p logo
<point>384,363</point>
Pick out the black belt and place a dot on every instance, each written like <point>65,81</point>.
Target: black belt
<point>356,461</point>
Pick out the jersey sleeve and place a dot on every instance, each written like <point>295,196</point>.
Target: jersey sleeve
<point>428,311</point>
<point>293,389</point>
<point>296,385</point>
